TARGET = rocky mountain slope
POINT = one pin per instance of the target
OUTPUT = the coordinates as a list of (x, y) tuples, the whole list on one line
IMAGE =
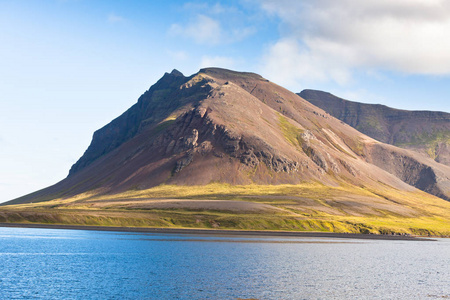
[(238, 128), (426, 132)]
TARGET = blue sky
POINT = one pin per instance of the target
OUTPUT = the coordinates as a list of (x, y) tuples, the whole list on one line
[(68, 67)]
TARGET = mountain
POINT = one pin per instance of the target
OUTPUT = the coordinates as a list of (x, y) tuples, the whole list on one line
[(222, 126), (426, 132)]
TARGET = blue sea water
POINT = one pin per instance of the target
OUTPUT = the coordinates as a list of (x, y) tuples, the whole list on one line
[(78, 264)]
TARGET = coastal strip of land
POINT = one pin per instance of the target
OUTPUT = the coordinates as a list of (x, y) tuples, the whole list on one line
[(218, 232)]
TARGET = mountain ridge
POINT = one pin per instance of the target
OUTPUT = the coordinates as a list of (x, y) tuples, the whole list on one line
[(426, 132)]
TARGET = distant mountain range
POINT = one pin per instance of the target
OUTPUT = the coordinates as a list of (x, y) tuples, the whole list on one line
[(427, 132), (239, 128)]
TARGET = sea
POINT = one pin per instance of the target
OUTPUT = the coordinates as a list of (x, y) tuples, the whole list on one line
[(84, 264)]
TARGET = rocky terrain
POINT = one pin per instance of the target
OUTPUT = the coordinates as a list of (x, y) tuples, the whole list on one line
[(426, 132), (237, 128)]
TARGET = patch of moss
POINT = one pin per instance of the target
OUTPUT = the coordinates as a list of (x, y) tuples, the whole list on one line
[(163, 125), (430, 139), (371, 124), (291, 133), (355, 144)]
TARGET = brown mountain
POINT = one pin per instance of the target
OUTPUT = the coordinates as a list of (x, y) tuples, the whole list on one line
[(238, 128), (427, 132)]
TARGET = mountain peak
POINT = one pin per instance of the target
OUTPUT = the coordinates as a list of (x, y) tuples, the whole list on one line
[(228, 74), (175, 72)]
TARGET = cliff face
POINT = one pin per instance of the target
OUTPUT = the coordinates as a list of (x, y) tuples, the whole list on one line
[(426, 132), (152, 107), (224, 126)]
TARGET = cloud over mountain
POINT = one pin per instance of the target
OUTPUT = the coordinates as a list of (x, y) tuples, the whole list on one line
[(328, 40), (212, 24)]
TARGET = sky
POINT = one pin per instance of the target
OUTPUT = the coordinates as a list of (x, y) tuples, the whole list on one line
[(69, 67)]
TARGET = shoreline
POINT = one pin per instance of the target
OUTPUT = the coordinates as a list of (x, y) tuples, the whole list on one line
[(197, 231)]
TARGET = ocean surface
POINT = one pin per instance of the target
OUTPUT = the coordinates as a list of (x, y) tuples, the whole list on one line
[(78, 264)]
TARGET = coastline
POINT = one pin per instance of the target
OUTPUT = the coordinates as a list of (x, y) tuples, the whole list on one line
[(197, 231)]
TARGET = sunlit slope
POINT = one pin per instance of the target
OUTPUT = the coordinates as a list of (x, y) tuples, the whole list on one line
[(302, 207)]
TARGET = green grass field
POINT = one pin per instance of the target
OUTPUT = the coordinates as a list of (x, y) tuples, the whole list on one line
[(303, 207)]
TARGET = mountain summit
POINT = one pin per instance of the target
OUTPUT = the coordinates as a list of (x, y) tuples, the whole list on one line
[(233, 127)]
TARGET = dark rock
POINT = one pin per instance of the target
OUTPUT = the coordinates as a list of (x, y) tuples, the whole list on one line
[(184, 162), (249, 158)]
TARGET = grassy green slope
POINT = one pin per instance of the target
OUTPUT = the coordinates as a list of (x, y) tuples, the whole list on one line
[(304, 207)]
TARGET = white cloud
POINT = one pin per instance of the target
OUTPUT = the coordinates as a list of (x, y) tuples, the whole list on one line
[(202, 30), (328, 39), (212, 9), (113, 18), (218, 61), (179, 55), (287, 63), (213, 24)]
